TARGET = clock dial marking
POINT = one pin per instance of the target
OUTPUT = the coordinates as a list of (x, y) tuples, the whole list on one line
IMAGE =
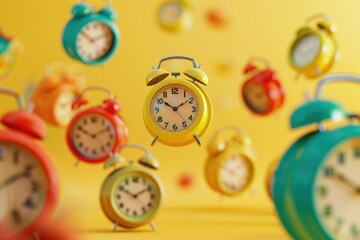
[(174, 108)]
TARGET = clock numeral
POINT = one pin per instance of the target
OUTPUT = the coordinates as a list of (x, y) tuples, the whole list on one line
[(164, 94), (118, 196), (152, 196), (150, 204), (15, 215), (341, 158), (121, 188), (135, 213), (191, 100), (81, 144), (329, 171), (357, 152), (2, 153), (174, 90), (143, 210), (193, 109), (135, 179), (184, 94), (34, 187), (28, 170), (94, 152), (159, 101), (149, 188), (184, 124), (159, 119), (127, 211), (16, 157), (190, 118), (175, 127), (121, 205), (126, 181), (166, 124), (327, 211), (29, 203), (85, 121), (103, 149), (93, 119), (157, 109)]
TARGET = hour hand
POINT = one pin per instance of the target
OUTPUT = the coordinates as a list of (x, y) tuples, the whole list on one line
[(182, 103), (167, 104), (347, 181)]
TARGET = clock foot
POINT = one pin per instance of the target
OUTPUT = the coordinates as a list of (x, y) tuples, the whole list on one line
[(337, 56), (115, 227), (76, 163), (297, 76), (153, 227), (318, 71), (154, 140), (221, 197), (197, 139)]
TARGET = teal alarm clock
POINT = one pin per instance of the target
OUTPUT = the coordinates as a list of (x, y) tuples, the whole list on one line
[(91, 37), (4, 44), (316, 187)]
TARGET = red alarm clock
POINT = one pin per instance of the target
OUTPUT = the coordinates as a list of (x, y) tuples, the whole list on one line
[(28, 183), (262, 91), (94, 134)]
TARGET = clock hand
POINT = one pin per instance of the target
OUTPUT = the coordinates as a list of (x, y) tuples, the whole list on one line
[(182, 103), (102, 131), (167, 104), (99, 37), (13, 179), (86, 132), (347, 181), (130, 193), (139, 193), (87, 37)]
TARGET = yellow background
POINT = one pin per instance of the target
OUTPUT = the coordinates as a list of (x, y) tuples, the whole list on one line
[(264, 28)]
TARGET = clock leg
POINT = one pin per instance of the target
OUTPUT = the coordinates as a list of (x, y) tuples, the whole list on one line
[(221, 197), (318, 71), (337, 56), (76, 163), (115, 227), (197, 139), (153, 227), (154, 140), (297, 76)]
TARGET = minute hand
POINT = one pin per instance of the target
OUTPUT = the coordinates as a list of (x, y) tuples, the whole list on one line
[(182, 103)]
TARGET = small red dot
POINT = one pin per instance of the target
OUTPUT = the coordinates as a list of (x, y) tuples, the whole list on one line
[(186, 180)]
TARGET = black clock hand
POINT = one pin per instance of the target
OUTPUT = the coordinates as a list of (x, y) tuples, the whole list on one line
[(141, 192), (86, 132), (130, 193), (102, 131), (167, 104), (182, 103), (347, 182), (13, 179)]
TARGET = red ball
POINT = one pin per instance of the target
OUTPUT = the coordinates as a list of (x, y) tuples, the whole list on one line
[(217, 17), (186, 180)]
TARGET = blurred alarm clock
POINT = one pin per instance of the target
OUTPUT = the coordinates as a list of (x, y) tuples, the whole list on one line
[(54, 95), (231, 165), (28, 183), (91, 37), (317, 183), (9, 48), (94, 134), (314, 50), (176, 15), (177, 111), (132, 195), (262, 91)]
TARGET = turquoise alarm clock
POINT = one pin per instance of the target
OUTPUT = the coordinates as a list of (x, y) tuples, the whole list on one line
[(91, 37), (316, 187)]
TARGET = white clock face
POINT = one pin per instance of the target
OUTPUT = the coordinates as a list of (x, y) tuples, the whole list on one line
[(174, 108), (93, 136), (338, 191), (63, 110), (95, 41), (170, 12), (235, 173), (256, 97), (137, 196), (23, 187), (306, 50)]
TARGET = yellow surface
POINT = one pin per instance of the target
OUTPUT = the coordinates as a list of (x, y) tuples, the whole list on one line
[(264, 28)]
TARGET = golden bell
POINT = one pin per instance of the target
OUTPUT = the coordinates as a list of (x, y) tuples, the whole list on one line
[(156, 76), (197, 75), (113, 161), (149, 161)]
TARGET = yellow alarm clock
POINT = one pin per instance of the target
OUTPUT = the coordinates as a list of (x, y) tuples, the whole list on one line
[(177, 111), (176, 15), (132, 195), (314, 50), (231, 165)]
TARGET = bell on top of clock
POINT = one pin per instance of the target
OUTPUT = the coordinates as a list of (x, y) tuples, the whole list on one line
[(91, 36), (314, 50), (53, 96)]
